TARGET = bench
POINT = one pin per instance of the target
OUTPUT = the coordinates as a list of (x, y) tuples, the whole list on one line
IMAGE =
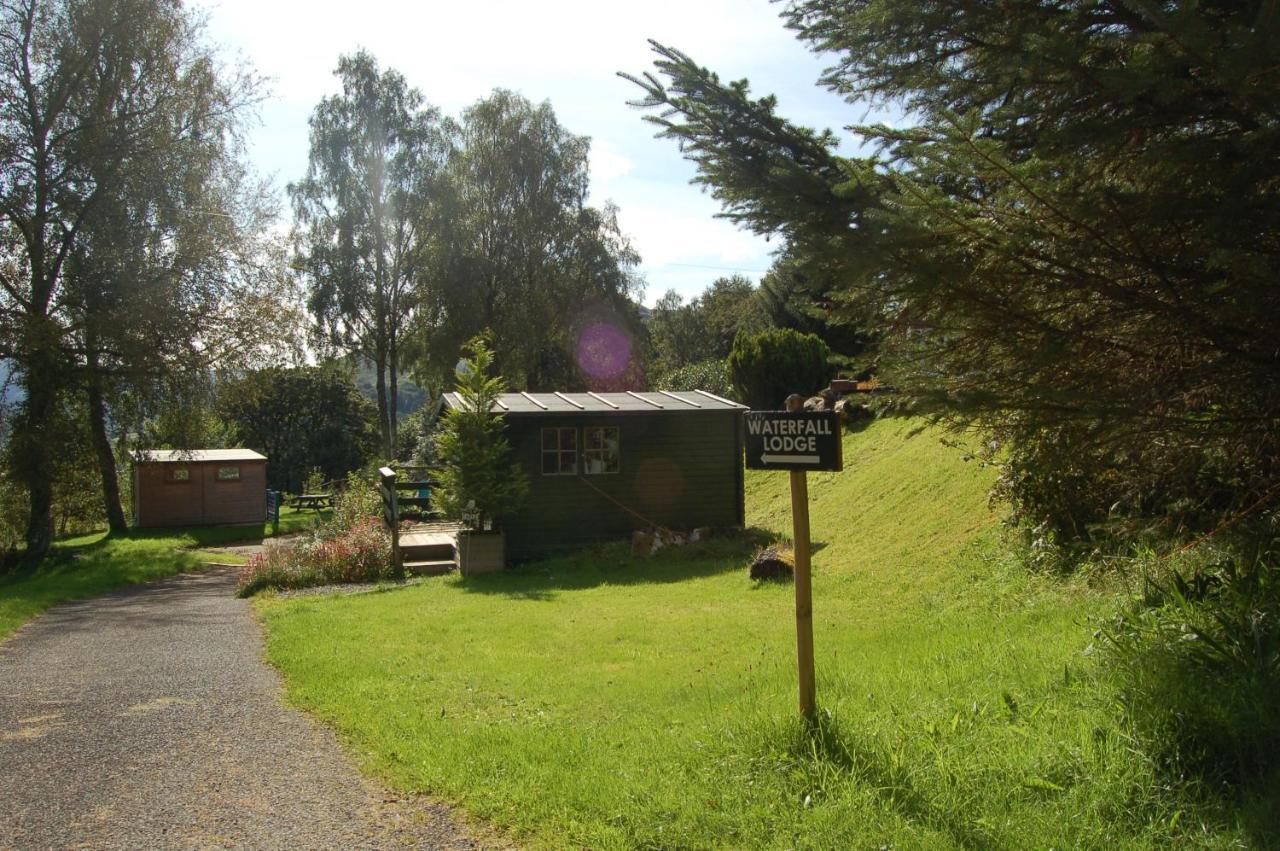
[(311, 500)]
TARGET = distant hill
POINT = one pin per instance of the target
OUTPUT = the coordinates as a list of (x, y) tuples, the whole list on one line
[(409, 396)]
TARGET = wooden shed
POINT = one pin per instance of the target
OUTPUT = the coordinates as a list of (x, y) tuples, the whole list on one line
[(198, 487), (602, 465)]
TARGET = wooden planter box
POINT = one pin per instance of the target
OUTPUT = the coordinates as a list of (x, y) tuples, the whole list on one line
[(481, 552)]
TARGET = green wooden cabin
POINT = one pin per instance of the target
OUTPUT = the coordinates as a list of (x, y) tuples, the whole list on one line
[(603, 465)]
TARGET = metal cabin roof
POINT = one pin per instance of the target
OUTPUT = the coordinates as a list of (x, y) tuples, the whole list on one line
[(606, 403), (191, 456)]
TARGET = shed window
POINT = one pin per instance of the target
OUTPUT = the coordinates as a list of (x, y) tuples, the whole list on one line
[(559, 451), (600, 450), (179, 474), (228, 474)]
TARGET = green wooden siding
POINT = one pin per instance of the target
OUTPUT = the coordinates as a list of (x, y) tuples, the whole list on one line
[(681, 470)]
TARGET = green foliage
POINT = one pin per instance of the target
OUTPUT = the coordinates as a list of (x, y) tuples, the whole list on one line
[(315, 481), (709, 375), (704, 329), (358, 501), (518, 246), (768, 367), (1070, 243), (365, 213), (13, 513), (1200, 656), (126, 216), (475, 459), (184, 419), (301, 418), (797, 294), (413, 438), (678, 333), (77, 505)]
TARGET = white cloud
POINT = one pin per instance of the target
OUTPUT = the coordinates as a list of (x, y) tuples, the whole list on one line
[(565, 51), (608, 164)]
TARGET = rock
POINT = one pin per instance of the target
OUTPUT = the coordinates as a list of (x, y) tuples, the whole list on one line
[(699, 534), (815, 403), (852, 410)]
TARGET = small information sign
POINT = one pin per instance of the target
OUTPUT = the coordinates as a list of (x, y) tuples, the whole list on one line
[(794, 440)]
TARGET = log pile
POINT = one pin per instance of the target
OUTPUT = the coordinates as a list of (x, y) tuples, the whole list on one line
[(773, 562)]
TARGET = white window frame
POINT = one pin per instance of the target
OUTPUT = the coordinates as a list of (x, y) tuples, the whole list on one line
[(601, 454)]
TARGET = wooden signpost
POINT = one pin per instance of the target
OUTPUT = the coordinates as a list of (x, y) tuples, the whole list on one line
[(798, 441), (273, 510)]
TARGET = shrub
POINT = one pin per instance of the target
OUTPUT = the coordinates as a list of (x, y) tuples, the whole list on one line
[(357, 503), (315, 481), (710, 375), (360, 554), (769, 366)]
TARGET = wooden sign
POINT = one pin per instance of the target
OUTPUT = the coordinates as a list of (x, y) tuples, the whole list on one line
[(794, 440), (798, 441), (274, 498)]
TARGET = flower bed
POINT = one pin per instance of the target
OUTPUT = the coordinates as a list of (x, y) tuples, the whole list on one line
[(359, 554)]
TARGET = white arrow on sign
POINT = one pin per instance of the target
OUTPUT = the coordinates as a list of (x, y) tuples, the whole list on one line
[(766, 458)]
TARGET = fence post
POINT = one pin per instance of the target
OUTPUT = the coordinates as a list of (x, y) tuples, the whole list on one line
[(391, 511)]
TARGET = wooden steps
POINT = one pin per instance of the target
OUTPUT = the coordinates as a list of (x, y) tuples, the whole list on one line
[(430, 567), (428, 553)]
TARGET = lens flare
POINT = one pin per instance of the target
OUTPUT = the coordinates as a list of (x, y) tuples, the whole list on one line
[(604, 351)]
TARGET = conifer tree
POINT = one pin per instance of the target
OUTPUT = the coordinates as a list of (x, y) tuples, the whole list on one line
[(1071, 240), (476, 471)]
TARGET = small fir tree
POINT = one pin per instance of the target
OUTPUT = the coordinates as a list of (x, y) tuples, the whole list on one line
[(475, 471)]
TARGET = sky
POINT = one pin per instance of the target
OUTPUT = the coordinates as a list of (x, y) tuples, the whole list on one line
[(564, 51)]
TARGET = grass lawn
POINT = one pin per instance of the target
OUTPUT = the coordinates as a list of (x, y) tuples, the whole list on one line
[(91, 564), (602, 701)]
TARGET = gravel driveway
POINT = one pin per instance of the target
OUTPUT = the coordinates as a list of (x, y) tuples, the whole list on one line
[(146, 718)]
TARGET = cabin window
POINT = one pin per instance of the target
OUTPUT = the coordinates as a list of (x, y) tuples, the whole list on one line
[(600, 450), (559, 451), (179, 474), (228, 474)]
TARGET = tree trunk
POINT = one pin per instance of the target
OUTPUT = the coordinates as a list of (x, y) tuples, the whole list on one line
[(102, 445), (35, 455), (393, 363), (380, 364)]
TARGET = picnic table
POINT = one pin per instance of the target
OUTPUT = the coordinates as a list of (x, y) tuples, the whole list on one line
[(311, 500)]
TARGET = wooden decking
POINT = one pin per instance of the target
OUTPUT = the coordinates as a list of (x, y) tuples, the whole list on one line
[(429, 534)]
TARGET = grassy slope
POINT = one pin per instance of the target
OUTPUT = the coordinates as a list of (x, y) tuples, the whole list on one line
[(91, 564), (604, 701)]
